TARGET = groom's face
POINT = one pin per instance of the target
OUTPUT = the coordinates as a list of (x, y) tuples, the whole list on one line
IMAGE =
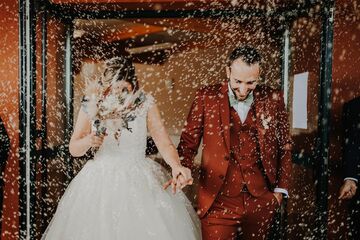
[(243, 78)]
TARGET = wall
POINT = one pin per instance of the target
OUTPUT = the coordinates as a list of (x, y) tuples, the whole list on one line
[(305, 57), (9, 111), (345, 86)]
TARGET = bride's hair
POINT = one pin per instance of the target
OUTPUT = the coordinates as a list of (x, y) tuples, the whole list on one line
[(119, 69)]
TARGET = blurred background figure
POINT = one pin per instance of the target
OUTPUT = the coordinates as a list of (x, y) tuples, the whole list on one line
[(351, 123), (4, 152)]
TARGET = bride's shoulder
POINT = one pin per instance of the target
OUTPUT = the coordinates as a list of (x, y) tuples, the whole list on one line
[(84, 104), (149, 99)]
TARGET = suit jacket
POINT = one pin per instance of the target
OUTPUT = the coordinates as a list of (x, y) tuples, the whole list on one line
[(209, 118), (351, 150)]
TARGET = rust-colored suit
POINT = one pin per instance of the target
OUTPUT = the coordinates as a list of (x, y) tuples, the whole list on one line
[(209, 118)]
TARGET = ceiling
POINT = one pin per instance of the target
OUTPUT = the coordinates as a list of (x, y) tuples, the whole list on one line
[(152, 40), (265, 5), (146, 38)]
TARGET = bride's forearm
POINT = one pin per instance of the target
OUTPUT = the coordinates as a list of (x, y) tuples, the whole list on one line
[(78, 147), (161, 138), (181, 175), (170, 155)]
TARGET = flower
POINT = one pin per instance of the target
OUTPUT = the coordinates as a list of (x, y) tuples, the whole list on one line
[(104, 105), (265, 121)]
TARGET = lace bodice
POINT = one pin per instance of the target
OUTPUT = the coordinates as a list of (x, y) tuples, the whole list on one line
[(131, 142)]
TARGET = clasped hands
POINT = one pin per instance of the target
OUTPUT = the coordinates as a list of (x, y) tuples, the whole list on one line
[(181, 178)]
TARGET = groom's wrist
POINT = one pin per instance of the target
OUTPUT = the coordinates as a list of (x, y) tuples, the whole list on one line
[(283, 191)]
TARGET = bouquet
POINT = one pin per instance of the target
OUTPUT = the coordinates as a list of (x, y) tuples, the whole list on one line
[(103, 105)]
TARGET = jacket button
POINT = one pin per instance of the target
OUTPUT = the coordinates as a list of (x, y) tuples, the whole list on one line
[(227, 158)]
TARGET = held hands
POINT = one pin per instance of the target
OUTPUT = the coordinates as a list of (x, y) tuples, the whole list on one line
[(181, 178), (348, 189)]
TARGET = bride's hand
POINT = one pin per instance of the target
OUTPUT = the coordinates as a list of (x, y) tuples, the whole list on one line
[(95, 140)]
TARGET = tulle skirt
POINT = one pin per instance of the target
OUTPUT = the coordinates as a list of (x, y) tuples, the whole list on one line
[(113, 198)]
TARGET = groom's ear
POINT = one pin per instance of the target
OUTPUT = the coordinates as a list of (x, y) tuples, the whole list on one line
[(227, 72)]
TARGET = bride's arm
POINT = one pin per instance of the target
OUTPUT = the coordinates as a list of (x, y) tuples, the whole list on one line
[(82, 138), (164, 144)]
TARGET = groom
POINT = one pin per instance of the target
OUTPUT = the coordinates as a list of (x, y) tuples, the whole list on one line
[(246, 158)]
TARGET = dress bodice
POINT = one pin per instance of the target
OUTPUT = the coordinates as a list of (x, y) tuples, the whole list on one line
[(129, 142)]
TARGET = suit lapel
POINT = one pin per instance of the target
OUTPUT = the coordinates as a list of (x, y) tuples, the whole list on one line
[(259, 104), (224, 110)]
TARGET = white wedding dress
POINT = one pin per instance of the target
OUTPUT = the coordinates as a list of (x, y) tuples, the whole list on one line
[(119, 195)]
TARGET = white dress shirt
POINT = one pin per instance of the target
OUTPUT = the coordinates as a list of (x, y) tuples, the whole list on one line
[(350, 178), (242, 108)]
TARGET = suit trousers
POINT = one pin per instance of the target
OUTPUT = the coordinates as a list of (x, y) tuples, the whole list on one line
[(353, 220), (240, 217)]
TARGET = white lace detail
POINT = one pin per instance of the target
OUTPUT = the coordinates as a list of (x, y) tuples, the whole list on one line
[(132, 142)]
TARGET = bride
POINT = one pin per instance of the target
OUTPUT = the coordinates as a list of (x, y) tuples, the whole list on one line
[(119, 194)]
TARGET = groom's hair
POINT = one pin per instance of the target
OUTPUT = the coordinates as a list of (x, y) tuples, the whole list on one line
[(246, 53)]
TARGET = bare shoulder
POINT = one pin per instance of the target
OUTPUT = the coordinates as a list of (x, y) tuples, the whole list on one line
[(149, 96), (147, 99)]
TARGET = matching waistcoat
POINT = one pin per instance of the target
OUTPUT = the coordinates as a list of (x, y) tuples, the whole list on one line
[(243, 172)]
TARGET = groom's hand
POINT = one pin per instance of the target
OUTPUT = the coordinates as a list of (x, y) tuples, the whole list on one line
[(171, 183), (181, 178), (167, 184), (279, 197), (179, 183), (348, 189)]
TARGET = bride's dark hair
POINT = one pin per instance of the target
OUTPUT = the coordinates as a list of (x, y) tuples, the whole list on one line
[(120, 69)]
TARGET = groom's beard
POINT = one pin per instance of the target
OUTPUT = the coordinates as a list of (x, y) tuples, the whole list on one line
[(236, 97)]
